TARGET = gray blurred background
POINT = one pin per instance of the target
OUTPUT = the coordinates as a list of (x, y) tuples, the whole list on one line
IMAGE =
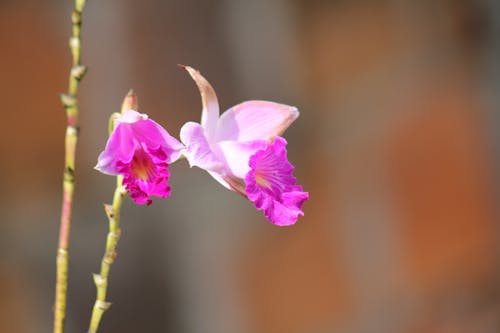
[(398, 143)]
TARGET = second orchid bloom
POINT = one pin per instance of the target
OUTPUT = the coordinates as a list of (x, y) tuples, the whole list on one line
[(242, 149)]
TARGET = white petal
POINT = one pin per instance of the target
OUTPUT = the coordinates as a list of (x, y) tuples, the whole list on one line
[(198, 151)]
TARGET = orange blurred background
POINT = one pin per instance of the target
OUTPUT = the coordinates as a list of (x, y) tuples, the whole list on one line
[(398, 144)]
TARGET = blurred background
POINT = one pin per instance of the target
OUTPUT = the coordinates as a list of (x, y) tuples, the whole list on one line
[(398, 144)]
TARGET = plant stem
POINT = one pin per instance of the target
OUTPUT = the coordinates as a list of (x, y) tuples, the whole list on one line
[(101, 279), (113, 212), (70, 103)]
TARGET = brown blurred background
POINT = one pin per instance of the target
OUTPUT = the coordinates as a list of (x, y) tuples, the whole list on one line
[(398, 144)]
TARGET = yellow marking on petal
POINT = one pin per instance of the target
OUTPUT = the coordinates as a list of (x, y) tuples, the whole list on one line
[(262, 181), (140, 173), (141, 167)]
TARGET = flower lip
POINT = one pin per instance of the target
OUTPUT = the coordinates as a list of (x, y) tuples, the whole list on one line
[(271, 186), (261, 180), (146, 176)]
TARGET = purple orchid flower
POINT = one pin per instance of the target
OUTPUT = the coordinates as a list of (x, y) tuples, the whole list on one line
[(140, 150), (242, 150)]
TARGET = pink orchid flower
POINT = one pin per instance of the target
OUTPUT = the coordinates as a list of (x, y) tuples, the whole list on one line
[(140, 150), (242, 150)]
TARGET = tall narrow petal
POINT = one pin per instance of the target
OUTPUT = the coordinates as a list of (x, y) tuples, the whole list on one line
[(255, 120), (210, 112)]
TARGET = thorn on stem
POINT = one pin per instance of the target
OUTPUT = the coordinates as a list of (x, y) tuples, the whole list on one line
[(78, 71), (109, 211), (69, 174), (74, 43), (98, 279), (76, 17), (103, 305), (68, 100)]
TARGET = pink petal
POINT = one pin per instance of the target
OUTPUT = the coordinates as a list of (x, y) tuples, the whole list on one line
[(155, 136), (133, 129), (255, 120), (237, 154), (119, 148), (210, 112), (198, 151), (287, 211)]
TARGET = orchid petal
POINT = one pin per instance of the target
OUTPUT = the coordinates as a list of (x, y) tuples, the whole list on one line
[(255, 120), (198, 151), (210, 112), (286, 213), (154, 136), (237, 154), (120, 147)]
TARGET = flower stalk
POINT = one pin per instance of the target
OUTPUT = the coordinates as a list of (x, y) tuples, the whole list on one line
[(101, 279), (113, 213), (70, 102)]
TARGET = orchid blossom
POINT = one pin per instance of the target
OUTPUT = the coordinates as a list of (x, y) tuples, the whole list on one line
[(140, 150), (242, 150)]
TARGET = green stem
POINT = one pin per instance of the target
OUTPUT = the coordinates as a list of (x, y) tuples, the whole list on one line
[(101, 279), (70, 103)]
